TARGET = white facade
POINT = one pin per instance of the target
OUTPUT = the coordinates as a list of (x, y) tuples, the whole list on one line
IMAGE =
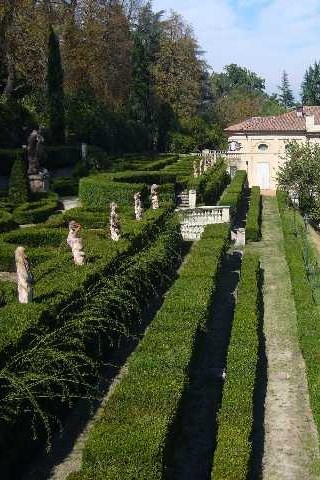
[(261, 153)]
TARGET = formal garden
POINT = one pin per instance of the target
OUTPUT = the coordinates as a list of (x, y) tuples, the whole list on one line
[(159, 317)]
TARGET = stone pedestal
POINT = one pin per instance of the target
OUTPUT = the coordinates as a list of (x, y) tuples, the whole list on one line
[(192, 198), (241, 237), (39, 182)]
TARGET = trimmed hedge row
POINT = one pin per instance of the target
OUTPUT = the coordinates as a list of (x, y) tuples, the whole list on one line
[(65, 186), (129, 440), (253, 223), (36, 212), (307, 310), (60, 285), (98, 191), (114, 310), (6, 221), (211, 184), (235, 419), (233, 194)]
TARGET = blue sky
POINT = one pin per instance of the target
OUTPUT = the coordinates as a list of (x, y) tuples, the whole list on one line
[(266, 36)]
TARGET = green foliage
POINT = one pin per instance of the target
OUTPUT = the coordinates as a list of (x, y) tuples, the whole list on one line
[(253, 222), (235, 420), (65, 186), (211, 184), (14, 121), (286, 97), (55, 91), (35, 212), (233, 194), (18, 182), (6, 221), (195, 135), (300, 174), (311, 85), (307, 312), (146, 401), (98, 191), (235, 77)]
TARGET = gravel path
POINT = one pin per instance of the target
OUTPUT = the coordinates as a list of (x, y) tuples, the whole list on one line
[(291, 443)]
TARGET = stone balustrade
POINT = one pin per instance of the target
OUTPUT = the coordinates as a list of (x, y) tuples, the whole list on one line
[(194, 220)]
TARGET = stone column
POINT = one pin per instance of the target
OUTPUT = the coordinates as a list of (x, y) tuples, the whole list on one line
[(24, 276), (192, 198)]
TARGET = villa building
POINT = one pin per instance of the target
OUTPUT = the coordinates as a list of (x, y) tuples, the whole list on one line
[(258, 144)]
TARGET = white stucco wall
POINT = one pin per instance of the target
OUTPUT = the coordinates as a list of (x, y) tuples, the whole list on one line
[(263, 164)]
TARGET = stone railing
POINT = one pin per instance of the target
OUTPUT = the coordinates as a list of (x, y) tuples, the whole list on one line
[(194, 220)]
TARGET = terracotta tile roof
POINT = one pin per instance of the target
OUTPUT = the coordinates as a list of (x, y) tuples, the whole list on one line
[(286, 122)]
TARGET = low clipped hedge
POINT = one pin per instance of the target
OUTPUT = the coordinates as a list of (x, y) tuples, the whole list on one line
[(233, 194), (308, 320), (60, 285), (36, 212), (65, 186), (253, 223), (235, 419), (211, 184), (130, 438), (6, 221)]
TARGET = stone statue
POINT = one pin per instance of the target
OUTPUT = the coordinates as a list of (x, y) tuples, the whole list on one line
[(35, 152), (201, 166), (195, 169), (75, 243), (114, 222), (138, 206), (154, 196), (24, 276)]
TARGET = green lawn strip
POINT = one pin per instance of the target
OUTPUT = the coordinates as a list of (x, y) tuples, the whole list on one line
[(253, 222), (235, 419), (130, 438), (307, 313), (62, 286)]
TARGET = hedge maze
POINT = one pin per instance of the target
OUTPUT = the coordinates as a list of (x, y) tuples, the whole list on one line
[(53, 348)]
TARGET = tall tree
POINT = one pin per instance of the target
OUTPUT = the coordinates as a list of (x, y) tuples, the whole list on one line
[(286, 98), (55, 90), (235, 77), (311, 85), (178, 70), (146, 45)]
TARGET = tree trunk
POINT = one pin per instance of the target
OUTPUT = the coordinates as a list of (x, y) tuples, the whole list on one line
[(8, 90)]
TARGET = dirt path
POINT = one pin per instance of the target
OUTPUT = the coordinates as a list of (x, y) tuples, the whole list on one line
[(291, 442)]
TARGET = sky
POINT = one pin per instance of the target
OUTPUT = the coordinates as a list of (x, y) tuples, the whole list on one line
[(266, 36)]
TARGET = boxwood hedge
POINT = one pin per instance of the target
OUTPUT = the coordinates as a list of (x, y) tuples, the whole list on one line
[(235, 419), (129, 440), (36, 212), (6, 221), (307, 311), (233, 194), (253, 223)]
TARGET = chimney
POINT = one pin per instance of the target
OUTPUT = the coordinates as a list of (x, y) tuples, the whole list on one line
[(300, 112)]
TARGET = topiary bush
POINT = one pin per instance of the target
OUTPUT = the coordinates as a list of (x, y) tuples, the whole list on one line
[(18, 182), (35, 212)]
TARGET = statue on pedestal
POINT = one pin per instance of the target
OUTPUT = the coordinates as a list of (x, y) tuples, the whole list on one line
[(24, 276), (114, 222), (154, 196), (75, 243), (138, 206), (35, 152)]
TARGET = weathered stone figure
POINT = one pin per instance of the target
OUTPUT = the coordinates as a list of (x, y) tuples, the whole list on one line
[(195, 169), (138, 206), (24, 276), (114, 223), (75, 243), (201, 166), (35, 152), (154, 196)]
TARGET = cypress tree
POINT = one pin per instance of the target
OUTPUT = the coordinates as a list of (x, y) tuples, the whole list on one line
[(311, 85), (286, 97), (18, 182), (55, 91)]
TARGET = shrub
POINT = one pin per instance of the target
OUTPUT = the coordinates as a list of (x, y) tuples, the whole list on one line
[(65, 186), (253, 223), (18, 182), (211, 184), (235, 419), (307, 311), (6, 221), (233, 194), (35, 212), (129, 439)]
